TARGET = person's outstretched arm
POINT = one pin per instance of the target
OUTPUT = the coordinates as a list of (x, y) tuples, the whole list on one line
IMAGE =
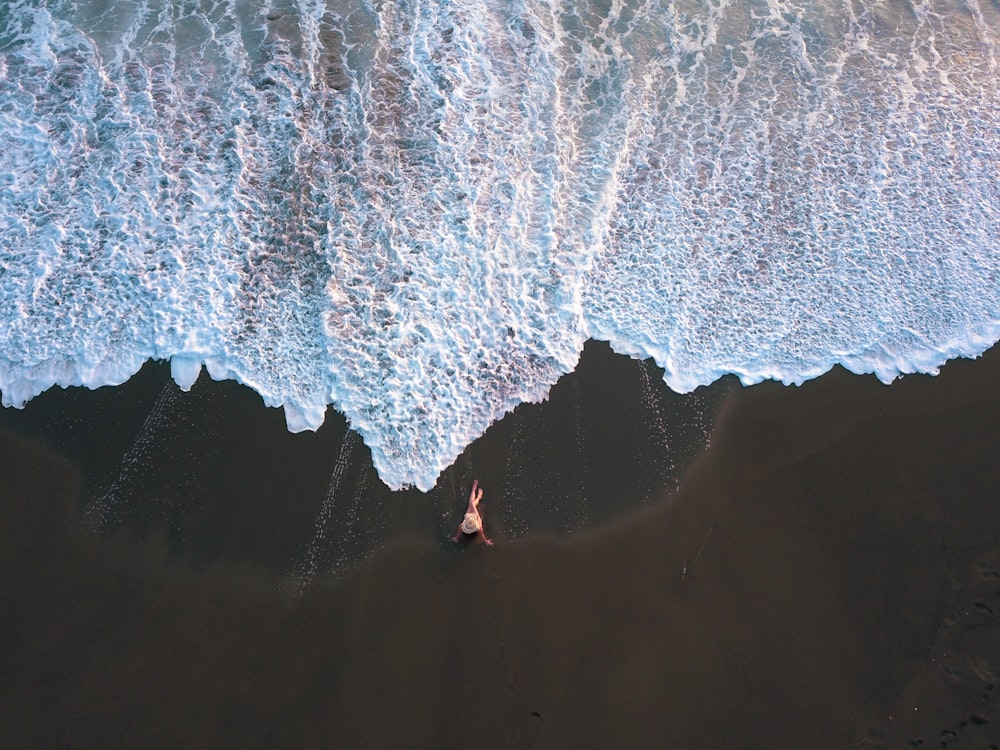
[(482, 535)]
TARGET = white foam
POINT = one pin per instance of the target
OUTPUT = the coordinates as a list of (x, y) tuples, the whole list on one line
[(185, 370), (418, 212)]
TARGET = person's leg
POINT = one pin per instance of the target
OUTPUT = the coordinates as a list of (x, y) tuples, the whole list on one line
[(474, 497)]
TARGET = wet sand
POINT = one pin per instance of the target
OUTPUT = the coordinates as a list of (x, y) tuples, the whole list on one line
[(772, 567)]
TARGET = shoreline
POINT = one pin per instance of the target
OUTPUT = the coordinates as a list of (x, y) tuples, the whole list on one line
[(609, 429)]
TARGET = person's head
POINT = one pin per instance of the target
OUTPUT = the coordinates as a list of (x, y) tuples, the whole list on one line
[(471, 524)]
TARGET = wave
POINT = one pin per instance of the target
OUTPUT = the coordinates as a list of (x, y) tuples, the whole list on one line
[(418, 212)]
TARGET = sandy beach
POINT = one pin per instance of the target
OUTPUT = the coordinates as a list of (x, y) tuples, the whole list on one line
[(764, 567)]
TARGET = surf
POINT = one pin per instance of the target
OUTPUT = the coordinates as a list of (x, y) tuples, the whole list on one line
[(418, 213)]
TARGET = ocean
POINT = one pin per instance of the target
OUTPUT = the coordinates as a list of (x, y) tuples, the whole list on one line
[(418, 212)]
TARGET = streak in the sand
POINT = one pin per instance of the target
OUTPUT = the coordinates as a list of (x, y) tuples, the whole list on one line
[(311, 562), (139, 457)]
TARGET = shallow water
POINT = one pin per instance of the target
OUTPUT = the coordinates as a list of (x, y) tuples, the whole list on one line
[(418, 212)]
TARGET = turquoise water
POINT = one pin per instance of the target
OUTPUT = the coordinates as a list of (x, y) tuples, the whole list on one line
[(419, 211)]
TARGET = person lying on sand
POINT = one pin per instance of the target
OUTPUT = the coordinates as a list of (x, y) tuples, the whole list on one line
[(472, 524)]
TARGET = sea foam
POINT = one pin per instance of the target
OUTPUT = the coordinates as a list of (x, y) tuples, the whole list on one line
[(418, 212)]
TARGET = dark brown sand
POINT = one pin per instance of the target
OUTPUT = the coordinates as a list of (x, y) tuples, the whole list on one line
[(176, 570)]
